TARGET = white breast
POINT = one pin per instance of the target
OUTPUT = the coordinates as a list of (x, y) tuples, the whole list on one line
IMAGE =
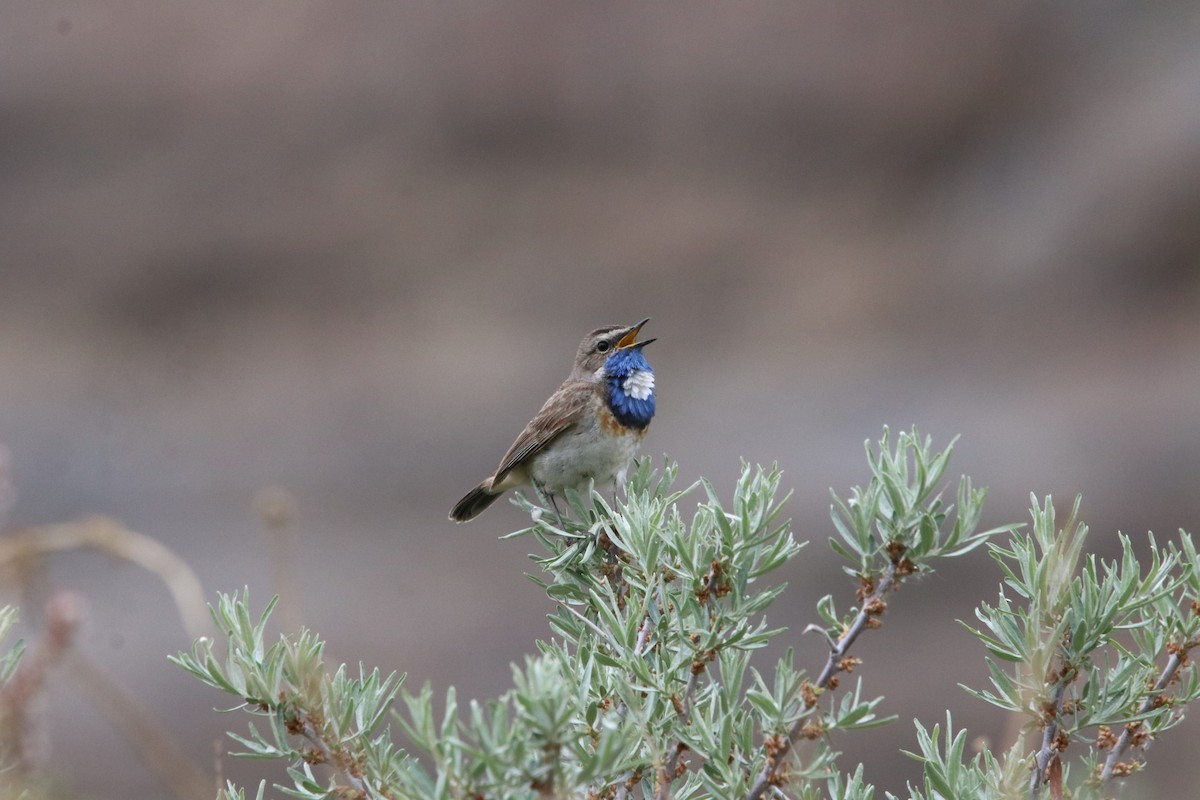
[(586, 452), (639, 385)]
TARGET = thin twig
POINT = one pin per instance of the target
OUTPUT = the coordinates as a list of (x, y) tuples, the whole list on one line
[(63, 613), (149, 739), (871, 608), (309, 732), (1049, 748), (1176, 661), (643, 637), (707, 592), (109, 536), (685, 703), (684, 710)]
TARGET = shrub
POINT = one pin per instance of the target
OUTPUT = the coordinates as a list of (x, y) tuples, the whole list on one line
[(646, 687)]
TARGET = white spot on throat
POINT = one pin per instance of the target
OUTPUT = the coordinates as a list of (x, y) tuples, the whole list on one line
[(639, 385)]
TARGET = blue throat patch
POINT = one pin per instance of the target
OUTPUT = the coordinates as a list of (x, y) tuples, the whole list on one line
[(628, 410)]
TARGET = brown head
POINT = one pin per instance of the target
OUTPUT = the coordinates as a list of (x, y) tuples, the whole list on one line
[(601, 343)]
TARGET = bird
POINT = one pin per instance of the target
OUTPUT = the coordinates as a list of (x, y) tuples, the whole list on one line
[(589, 428)]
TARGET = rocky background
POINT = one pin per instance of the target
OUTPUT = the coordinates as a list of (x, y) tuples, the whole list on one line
[(347, 249)]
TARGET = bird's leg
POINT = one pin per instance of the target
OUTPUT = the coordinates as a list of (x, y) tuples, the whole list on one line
[(549, 496)]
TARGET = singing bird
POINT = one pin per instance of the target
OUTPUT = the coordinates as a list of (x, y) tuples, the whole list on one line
[(589, 429)]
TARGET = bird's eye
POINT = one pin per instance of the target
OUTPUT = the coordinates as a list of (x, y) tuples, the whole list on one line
[(603, 346)]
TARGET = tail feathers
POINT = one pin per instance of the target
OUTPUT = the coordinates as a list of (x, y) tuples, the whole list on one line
[(474, 503)]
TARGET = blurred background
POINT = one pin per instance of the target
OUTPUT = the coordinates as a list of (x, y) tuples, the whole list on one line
[(348, 249)]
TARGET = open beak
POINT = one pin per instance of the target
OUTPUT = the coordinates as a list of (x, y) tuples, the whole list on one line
[(629, 339)]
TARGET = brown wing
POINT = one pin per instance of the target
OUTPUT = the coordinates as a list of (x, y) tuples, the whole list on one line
[(559, 414)]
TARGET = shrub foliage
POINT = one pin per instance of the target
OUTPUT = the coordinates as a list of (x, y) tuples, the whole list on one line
[(646, 688)]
